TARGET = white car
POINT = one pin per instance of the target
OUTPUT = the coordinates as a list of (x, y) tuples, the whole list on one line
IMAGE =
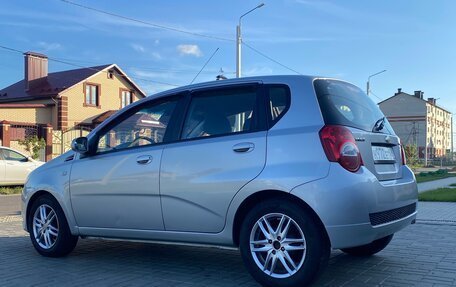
[(15, 166)]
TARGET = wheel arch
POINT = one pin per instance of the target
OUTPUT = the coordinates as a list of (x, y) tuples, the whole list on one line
[(39, 194), (32, 199), (250, 201)]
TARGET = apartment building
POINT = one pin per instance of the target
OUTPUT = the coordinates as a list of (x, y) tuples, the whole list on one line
[(421, 122)]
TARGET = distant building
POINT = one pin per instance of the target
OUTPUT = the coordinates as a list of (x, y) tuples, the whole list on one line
[(68, 98), (62, 105), (420, 122)]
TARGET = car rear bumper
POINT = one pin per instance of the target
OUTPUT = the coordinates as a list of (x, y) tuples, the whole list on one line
[(356, 208)]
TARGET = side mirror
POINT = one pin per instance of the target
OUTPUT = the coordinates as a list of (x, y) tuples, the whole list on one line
[(80, 145)]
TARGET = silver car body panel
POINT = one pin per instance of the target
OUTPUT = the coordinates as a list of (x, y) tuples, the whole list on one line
[(344, 205), (199, 178), (120, 193), (291, 160), (52, 177)]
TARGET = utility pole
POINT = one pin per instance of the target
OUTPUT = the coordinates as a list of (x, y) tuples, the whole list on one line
[(368, 81), (239, 42)]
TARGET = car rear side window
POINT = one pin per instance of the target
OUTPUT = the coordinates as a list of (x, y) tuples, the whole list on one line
[(220, 112), (279, 101), (344, 104)]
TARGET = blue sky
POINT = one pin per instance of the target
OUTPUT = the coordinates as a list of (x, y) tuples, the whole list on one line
[(413, 40)]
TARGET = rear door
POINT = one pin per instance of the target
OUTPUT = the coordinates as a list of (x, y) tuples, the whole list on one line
[(344, 104), (222, 146)]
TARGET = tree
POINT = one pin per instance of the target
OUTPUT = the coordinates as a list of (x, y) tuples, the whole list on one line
[(33, 145), (411, 154)]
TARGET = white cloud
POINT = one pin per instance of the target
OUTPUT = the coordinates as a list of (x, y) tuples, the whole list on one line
[(192, 50), (156, 56), (49, 46), (138, 48)]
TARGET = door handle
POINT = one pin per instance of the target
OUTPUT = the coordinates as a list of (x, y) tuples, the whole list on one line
[(243, 147), (144, 159)]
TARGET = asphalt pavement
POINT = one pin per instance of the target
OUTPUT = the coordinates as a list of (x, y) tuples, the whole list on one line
[(10, 205)]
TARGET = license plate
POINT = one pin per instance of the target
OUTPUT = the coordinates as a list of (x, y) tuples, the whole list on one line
[(383, 154)]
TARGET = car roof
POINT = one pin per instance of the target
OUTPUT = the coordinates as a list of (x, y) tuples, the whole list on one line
[(221, 83)]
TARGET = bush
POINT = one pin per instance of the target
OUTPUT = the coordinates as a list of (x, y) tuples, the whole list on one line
[(33, 145)]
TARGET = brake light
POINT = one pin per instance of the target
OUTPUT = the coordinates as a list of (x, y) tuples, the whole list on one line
[(404, 159), (340, 146)]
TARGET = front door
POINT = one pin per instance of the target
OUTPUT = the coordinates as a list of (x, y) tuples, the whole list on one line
[(222, 147), (118, 186), (17, 166), (2, 168)]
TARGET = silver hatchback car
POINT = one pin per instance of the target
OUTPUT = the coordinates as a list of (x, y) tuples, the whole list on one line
[(283, 167)]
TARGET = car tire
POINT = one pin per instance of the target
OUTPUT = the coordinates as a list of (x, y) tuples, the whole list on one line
[(48, 228), (298, 230), (369, 249)]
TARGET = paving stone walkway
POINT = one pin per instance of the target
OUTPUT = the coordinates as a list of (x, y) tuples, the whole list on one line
[(423, 254), (430, 185)]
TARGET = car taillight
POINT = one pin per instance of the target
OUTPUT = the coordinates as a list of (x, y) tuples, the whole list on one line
[(340, 146), (404, 159)]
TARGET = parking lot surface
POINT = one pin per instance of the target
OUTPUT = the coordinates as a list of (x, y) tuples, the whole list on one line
[(423, 254)]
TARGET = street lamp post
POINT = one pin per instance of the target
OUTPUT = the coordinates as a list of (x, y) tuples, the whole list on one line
[(368, 81), (239, 41)]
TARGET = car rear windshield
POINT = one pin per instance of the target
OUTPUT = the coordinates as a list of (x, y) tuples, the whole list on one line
[(344, 104)]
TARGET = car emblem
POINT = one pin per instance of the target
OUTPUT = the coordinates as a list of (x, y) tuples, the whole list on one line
[(388, 139)]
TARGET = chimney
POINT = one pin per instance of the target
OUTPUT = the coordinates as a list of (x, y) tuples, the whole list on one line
[(419, 94), (432, 101), (399, 90), (36, 69)]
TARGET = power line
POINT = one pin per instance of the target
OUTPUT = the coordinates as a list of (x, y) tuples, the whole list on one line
[(90, 68), (269, 58), (204, 65), (370, 91), (176, 30), (154, 69), (147, 23)]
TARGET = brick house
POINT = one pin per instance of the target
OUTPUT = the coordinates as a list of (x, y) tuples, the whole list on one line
[(62, 100)]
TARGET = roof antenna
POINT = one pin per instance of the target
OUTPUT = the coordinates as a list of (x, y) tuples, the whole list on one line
[(221, 76), (204, 65)]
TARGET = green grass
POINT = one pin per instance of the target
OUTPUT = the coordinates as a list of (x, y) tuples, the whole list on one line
[(11, 190), (445, 194), (431, 177)]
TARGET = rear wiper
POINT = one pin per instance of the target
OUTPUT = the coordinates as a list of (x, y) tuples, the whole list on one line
[(378, 126)]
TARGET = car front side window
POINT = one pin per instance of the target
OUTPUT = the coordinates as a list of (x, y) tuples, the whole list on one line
[(146, 126), (14, 156)]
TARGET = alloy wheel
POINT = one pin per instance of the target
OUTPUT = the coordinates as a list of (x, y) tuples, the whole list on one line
[(45, 226), (278, 245)]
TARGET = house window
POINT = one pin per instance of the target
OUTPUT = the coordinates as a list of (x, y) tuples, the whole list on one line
[(92, 95), (125, 98)]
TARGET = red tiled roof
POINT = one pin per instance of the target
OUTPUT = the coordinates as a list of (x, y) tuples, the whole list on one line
[(51, 86)]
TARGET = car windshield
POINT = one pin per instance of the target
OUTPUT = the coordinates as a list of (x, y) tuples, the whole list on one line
[(344, 104)]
